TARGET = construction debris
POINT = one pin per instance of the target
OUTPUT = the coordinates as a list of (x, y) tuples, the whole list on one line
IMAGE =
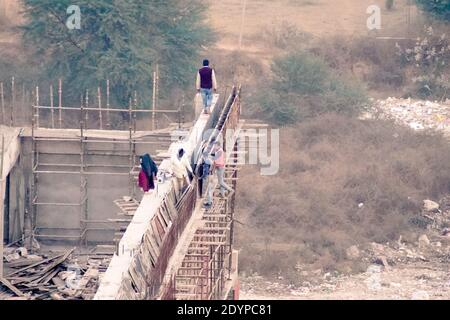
[(59, 277), (417, 114)]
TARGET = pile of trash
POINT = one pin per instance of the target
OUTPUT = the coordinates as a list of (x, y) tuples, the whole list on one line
[(417, 114), (41, 277)]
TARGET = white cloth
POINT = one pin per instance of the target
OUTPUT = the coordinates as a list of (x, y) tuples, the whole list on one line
[(180, 167)]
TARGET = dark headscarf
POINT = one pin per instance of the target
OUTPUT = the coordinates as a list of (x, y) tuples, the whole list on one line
[(148, 165)]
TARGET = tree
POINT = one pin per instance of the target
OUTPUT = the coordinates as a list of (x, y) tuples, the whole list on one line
[(389, 4), (120, 40), (438, 8)]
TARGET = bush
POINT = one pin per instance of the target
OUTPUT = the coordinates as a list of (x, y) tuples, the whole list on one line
[(429, 57), (373, 61), (437, 8), (304, 86), (300, 73), (329, 165)]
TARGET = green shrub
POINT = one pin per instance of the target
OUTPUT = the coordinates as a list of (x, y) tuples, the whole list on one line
[(429, 59), (304, 86), (300, 73), (437, 8)]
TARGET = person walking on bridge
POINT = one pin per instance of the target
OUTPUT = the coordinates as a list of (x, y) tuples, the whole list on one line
[(206, 83), (218, 155)]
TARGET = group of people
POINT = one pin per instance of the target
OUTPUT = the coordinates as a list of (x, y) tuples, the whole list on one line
[(212, 161), (180, 169), (212, 156)]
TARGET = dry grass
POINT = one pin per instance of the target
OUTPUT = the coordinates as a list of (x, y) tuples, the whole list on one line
[(309, 212)]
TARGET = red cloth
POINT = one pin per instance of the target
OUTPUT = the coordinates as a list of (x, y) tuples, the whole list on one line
[(143, 181)]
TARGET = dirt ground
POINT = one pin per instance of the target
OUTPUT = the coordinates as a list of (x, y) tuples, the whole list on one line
[(320, 18), (419, 281)]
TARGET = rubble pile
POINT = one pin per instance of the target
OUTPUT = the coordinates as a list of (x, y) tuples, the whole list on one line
[(417, 114), (56, 277)]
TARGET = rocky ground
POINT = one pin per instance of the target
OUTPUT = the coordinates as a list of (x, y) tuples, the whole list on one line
[(418, 270)]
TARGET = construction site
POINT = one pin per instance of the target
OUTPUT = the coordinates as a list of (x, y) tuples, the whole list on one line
[(74, 193), (348, 199)]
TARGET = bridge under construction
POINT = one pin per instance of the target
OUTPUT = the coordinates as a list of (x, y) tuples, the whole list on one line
[(71, 202)]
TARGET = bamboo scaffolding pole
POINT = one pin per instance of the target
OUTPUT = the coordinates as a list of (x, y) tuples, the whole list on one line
[(60, 102), (2, 206), (108, 119), (154, 101), (101, 141), (13, 101), (2, 97), (100, 115), (83, 180), (36, 111), (23, 103), (86, 173), (131, 154), (52, 109), (112, 109), (86, 106), (32, 196), (2, 92), (135, 102), (157, 93)]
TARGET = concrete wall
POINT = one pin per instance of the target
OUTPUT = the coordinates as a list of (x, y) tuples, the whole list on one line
[(102, 190)]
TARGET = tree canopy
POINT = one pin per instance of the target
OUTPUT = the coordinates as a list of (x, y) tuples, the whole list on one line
[(120, 40), (438, 8)]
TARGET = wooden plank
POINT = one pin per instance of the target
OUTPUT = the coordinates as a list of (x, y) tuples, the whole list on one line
[(155, 233), (50, 274), (32, 266), (152, 252), (22, 263), (170, 210), (58, 261), (11, 287), (165, 216), (161, 224)]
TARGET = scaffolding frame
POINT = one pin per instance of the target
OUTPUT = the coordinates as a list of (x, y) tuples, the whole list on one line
[(83, 169)]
